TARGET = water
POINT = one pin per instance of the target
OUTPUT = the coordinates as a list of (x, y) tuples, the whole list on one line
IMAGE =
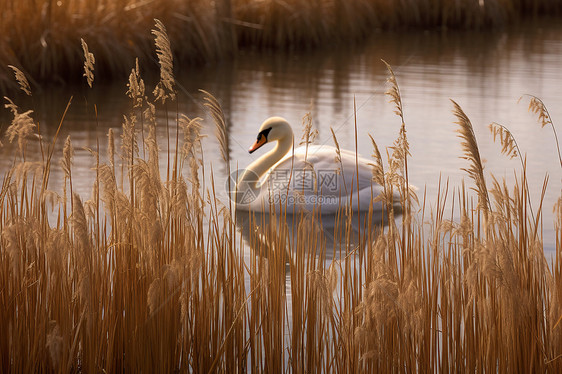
[(485, 72)]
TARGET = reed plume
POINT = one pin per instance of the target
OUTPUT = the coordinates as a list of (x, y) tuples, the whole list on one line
[(135, 87), (151, 141), (55, 345), (191, 149), (191, 134), (394, 92), (308, 134), (398, 162), (22, 126), (338, 159), (510, 149), (129, 144), (384, 180), (66, 165), (21, 79), (220, 124), (323, 284), (111, 147), (165, 87), (67, 155), (472, 154), (155, 298), (378, 168), (80, 225), (308, 137), (89, 61), (109, 192), (401, 148), (507, 140), (537, 107)]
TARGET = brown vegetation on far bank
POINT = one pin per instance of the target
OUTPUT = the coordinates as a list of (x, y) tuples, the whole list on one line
[(42, 38)]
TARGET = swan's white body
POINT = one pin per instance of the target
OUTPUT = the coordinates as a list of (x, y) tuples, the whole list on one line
[(308, 179)]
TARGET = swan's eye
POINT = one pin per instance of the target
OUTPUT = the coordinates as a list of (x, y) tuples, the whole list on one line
[(264, 133)]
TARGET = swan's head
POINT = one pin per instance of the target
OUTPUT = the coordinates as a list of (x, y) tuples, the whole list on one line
[(273, 129)]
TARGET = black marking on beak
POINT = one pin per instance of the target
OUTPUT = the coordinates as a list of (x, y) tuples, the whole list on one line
[(261, 140)]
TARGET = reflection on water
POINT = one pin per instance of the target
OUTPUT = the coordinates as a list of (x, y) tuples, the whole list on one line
[(301, 243), (326, 236), (485, 72)]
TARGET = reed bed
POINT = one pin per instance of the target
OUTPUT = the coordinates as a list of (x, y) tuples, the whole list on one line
[(151, 274), (41, 37)]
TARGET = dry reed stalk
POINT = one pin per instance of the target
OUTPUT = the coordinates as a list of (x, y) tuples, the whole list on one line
[(510, 149), (129, 144), (507, 140), (22, 126), (21, 79), (379, 177), (401, 149), (89, 61), (220, 124), (165, 88), (191, 136), (135, 87), (192, 150), (398, 165), (308, 134), (66, 165), (537, 106), (150, 141), (47, 168), (471, 153), (111, 148)]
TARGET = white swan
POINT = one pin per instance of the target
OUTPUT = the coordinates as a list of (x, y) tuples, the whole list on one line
[(306, 178)]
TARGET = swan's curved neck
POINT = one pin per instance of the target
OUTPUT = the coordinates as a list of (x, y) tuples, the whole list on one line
[(259, 167)]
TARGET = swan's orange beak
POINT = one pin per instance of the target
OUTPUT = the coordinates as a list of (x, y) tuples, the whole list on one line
[(262, 139)]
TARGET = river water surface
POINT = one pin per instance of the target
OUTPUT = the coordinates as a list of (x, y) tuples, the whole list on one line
[(484, 72)]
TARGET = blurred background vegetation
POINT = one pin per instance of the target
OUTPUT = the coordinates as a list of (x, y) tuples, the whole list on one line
[(42, 37)]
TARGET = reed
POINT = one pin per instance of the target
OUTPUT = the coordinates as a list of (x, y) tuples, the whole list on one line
[(152, 274), (41, 38)]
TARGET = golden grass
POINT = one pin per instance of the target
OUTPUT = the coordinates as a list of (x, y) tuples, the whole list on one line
[(151, 274), (41, 37)]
